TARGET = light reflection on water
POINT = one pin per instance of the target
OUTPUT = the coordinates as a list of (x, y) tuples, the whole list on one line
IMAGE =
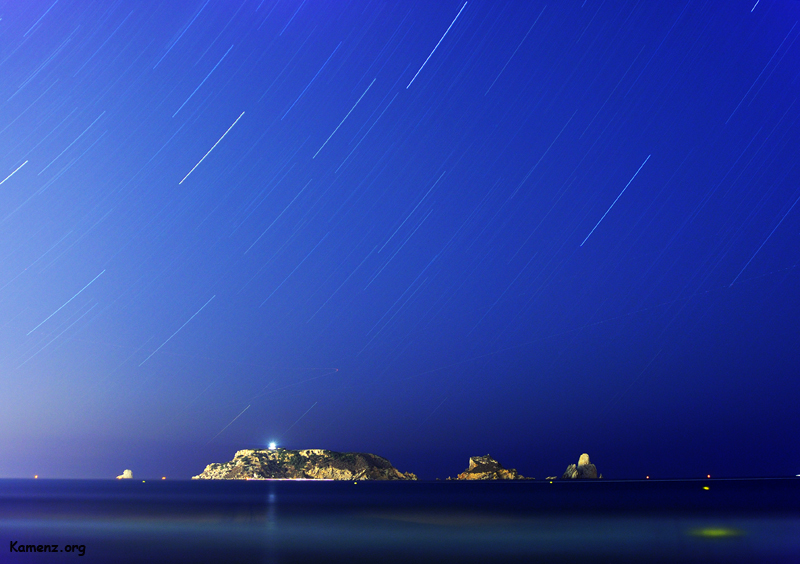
[(404, 522)]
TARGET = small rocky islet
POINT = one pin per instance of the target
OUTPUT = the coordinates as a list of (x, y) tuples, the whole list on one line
[(487, 468), (322, 464), (583, 470)]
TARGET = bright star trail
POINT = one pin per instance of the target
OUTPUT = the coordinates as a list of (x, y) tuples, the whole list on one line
[(13, 173), (530, 229), (437, 45), (615, 200), (211, 149)]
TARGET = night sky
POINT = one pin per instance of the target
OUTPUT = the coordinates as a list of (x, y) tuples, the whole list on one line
[(425, 230)]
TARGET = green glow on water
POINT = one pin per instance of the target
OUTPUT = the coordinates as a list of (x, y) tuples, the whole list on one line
[(716, 532)]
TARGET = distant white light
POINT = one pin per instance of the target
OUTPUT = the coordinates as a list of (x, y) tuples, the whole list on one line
[(272, 446)]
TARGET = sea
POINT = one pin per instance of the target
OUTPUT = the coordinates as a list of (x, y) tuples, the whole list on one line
[(274, 521)]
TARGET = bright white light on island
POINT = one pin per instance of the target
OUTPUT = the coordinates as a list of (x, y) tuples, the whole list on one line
[(272, 446)]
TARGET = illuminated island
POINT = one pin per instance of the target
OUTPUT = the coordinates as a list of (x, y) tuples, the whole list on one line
[(308, 464), (487, 468)]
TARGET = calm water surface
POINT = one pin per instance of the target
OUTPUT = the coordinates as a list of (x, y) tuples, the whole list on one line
[(291, 521)]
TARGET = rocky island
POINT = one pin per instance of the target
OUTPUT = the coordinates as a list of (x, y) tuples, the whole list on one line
[(308, 464), (487, 468), (583, 470)]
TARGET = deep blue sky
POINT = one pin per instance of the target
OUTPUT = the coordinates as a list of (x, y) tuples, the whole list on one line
[(426, 230)]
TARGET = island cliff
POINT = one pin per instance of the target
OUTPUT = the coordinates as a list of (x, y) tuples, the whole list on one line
[(309, 464), (487, 468)]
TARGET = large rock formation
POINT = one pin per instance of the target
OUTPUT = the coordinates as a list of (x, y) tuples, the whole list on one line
[(309, 464), (583, 470), (487, 468)]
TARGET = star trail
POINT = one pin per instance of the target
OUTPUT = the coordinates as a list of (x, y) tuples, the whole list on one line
[(524, 228)]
